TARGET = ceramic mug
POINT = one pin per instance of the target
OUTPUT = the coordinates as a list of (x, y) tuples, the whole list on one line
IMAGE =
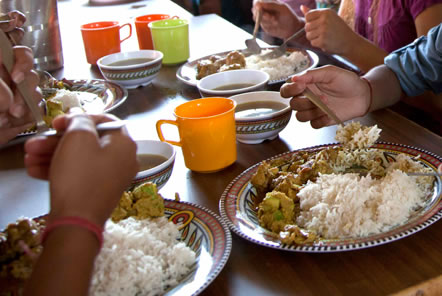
[(102, 38), (207, 133), (143, 31), (171, 37)]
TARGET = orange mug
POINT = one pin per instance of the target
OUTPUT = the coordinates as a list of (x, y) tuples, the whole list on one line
[(207, 133), (102, 38), (143, 31)]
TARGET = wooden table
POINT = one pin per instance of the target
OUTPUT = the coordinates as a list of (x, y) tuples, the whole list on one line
[(251, 269)]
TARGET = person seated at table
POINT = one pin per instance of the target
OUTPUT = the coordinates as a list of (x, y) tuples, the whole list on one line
[(364, 32), (412, 70), (379, 27), (294, 5), (15, 117), (79, 166)]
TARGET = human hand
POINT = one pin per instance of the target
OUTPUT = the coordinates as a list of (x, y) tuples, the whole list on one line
[(343, 91), (13, 26), (326, 30), (15, 117), (277, 19), (87, 173)]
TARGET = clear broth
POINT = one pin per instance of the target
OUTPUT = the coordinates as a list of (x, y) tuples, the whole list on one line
[(233, 86), (130, 62), (148, 161), (258, 108)]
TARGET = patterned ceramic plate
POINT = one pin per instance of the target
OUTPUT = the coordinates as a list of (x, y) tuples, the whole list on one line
[(187, 72), (236, 207), (208, 235), (111, 95), (201, 230)]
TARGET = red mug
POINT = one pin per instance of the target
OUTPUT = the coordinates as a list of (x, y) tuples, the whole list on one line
[(101, 39), (143, 31)]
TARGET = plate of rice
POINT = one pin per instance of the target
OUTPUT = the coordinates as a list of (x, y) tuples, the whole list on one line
[(92, 96), (340, 209), (293, 62), (179, 253)]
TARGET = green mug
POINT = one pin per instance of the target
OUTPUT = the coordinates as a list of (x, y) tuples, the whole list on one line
[(171, 37)]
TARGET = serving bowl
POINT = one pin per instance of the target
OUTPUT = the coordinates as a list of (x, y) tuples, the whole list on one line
[(229, 83), (161, 155), (131, 69), (260, 116)]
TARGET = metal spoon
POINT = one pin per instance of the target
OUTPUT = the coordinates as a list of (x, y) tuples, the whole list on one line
[(253, 46), (101, 128)]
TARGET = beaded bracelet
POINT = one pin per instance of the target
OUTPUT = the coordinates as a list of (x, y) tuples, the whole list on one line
[(74, 221), (371, 93)]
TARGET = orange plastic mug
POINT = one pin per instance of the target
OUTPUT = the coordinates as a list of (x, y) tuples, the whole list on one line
[(143, 31), (207, 133), (102, 38)]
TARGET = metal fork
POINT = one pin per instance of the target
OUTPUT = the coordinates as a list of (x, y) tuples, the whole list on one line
[(280, 50)]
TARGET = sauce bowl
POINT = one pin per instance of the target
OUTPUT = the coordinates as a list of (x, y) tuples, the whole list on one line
[(161, 173), (228, 83), (265, 115), (131, 69)]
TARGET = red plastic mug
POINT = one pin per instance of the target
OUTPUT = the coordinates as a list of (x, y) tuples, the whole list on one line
[(143, 31), (102, 38)]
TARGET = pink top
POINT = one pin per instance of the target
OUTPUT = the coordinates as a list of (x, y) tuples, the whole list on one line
[(296, 4), (395, 22)]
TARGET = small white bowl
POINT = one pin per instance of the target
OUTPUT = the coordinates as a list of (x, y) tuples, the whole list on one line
[(135, 75), (257, 129), (208, 84), (161, 173)]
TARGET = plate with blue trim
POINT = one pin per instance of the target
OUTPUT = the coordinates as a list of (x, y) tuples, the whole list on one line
[(238, 207)]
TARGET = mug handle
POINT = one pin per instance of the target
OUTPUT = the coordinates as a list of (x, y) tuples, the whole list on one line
[(160, 132), (130, 31)]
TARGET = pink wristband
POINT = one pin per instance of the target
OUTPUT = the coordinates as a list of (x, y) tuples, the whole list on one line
[(371, 93), (75, 221)]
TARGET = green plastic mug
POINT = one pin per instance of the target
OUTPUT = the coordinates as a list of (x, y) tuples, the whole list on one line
[(171, 37)]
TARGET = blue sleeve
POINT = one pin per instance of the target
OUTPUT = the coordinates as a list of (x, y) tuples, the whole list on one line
[(418, 65)]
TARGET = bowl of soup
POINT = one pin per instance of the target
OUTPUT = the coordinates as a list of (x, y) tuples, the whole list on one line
[(260, 116), (131, 69), (229, 83), (155, 160)]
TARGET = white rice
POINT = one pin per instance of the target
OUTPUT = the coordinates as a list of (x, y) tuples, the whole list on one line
[(67, 98), (355, 136), (347, 205), (281, 67), (140, 257)]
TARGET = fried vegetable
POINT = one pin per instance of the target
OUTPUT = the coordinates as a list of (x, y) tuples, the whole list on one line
[(275, 211), (143, 202)]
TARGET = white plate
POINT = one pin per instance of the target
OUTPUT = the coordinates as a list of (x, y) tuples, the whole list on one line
[(187, 72)]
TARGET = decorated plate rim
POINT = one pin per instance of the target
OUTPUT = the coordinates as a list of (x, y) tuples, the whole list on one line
[(218, 265), (401, 231)]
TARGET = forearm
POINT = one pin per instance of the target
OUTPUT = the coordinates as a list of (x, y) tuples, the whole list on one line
[(66, 263), (386, 89), (364, 54)]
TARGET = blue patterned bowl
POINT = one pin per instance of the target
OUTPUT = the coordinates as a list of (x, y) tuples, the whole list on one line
[(159, 174), (255, 129), (131, 69)]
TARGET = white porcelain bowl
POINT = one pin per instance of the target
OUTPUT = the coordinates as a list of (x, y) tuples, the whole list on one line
[(161, 173), (208, 84), (131, 76), (256, 129)]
